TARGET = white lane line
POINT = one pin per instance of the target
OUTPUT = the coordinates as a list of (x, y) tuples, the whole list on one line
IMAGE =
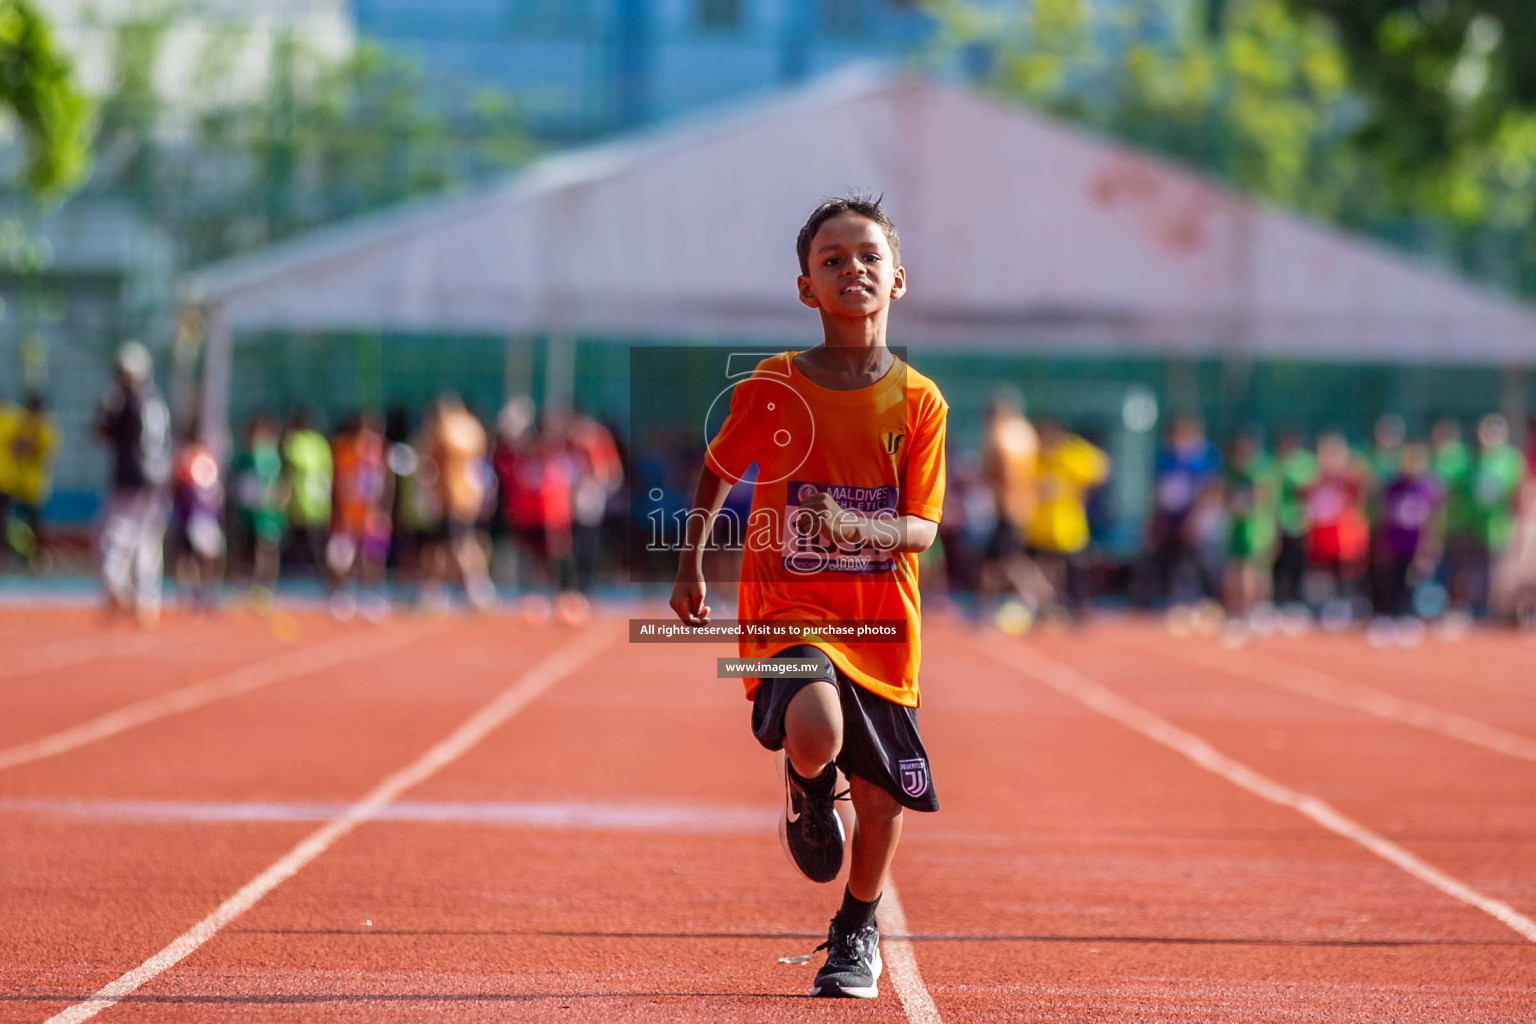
[(72, 651), (1359, 697), (513, 699), (657, 817), (231, 684), (1071, 683), (901, 961)]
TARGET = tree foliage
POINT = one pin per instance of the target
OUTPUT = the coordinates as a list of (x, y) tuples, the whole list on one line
[(1262, 102), (328, 138), (37, 87), (1368, 111), (1448, 93)]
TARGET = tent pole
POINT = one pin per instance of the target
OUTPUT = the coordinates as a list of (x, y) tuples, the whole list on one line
[(559, 370), (516, 365), (1513, 404), (216, 371)]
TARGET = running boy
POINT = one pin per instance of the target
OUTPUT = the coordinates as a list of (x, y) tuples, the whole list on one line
[(849, 445)]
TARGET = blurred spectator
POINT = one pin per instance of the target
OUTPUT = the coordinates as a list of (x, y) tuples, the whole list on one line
[(1408, 542), (536, 479), (1386, 455), (360, 516), (1514, 589), (27, 442), (402, 465), (599, 475), (1337, 533), (1484, 501), (197, 514), (1250, 491), (661, 499), (1010, 469), (1186, 467), (454, 441), (967, 523), (307, 458), (261, 494), (134, 422), (1382, 462), (1295, 468), (1058, 531)]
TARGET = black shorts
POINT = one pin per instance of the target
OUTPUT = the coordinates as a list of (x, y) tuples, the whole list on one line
[(881, 744)]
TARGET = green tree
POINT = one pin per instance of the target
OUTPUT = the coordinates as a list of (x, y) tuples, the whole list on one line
[(37, 87), (1448, 94), (328, 138), (1262, 102), (1412, 118)]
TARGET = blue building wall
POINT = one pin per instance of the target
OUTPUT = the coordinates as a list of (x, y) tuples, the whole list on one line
[(584, 67)]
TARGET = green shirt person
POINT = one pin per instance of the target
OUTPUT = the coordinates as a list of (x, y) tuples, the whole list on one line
[(1490, 485), (1295, 471), (1251, 487), (1451, 463), (258, 485)]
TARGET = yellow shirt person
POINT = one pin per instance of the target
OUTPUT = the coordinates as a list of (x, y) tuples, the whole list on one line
[(1069, 466), (10, 416), (27, 443)]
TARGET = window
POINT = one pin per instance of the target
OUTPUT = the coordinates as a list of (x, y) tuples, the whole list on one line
[(719, 14), (842, 17)]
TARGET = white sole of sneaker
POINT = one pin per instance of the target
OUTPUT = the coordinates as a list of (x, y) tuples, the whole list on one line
[(869, 991), (842, 835)]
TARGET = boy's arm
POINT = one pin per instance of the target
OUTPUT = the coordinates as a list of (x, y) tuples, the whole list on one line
[(850, 528), (689, 589)]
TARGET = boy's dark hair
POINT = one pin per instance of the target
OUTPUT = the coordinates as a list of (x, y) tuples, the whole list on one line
[(864, 205)]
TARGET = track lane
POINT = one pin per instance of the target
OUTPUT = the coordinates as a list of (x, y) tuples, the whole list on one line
[(327, 737), (1137, 887), (96, 705), (1467, 810), (1460, 677), (590, 923), (1071, 875)]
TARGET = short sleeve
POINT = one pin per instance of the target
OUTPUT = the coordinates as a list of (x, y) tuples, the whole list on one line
[(922, 492), (1086, 464), (734, 448)]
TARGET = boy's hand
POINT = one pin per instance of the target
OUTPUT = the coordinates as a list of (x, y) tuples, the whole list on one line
[(688, 600), (834, 524)]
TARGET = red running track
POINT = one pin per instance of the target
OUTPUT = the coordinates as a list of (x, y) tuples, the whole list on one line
[(608, 850)]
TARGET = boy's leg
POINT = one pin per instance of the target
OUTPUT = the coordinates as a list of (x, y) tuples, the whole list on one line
[(813, 729), (853, 956), (812, 737), (876, 831)]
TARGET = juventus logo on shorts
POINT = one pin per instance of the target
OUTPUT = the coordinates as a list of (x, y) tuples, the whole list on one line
[(914, 776), (892, 440)]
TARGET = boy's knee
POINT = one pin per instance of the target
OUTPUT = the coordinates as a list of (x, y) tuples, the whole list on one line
[(813, 727)]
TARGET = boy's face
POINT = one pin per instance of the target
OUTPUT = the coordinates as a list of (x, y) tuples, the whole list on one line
[(852, 270)]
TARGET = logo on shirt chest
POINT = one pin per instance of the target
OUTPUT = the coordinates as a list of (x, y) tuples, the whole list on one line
[(892, 439)]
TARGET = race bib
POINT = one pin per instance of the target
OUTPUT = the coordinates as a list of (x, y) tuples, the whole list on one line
[(806, 553)]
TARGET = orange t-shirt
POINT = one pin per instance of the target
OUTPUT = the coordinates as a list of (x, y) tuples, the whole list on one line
[(880, 450)]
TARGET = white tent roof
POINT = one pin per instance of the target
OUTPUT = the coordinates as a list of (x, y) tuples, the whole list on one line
[(1017, 231)]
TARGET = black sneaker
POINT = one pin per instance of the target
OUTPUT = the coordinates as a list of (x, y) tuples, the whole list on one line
[(810, 829), (853, 963)]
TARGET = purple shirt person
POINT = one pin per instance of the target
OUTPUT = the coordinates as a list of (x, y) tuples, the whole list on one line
[(1410, 507)]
